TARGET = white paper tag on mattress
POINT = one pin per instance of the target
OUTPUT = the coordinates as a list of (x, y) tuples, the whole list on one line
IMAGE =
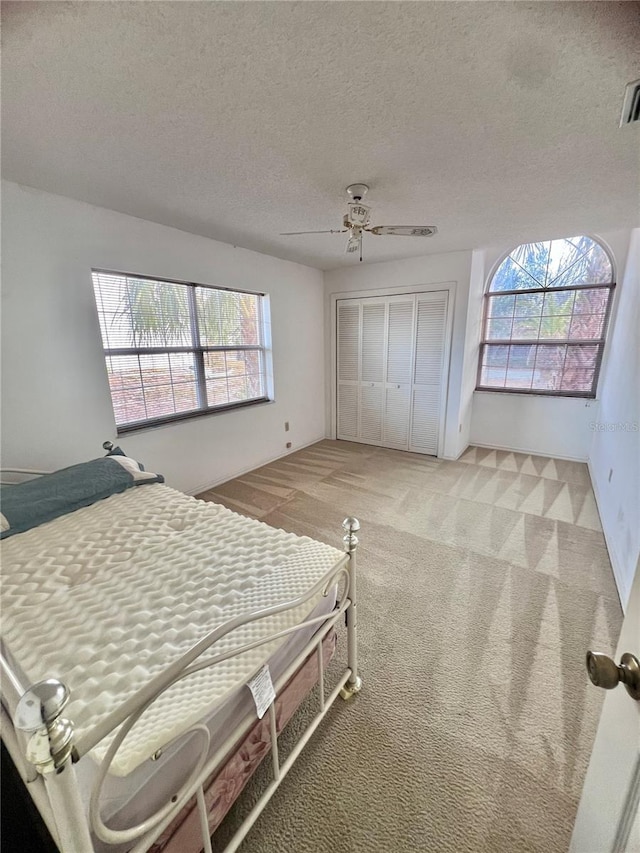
[(262, 690)]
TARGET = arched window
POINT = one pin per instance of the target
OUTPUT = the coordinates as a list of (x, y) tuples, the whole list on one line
[(545, 319)]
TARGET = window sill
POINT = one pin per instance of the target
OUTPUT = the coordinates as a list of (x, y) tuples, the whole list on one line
[(125, 429), (571, 395)]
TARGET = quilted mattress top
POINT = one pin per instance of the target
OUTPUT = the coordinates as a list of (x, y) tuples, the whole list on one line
[(106, 597)]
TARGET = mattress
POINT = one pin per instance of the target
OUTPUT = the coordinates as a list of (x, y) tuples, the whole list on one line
[(107, 597)]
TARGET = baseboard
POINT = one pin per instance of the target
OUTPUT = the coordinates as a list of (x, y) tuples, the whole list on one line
[(199, 489), (623, 585), (529, 452)]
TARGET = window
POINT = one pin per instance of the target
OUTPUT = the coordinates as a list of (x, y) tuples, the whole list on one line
[(174, 350), (545, 319)]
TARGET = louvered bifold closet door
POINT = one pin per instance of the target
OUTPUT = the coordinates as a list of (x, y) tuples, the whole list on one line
[(397, 402), (428, 381), (348, 369), (372, 370)]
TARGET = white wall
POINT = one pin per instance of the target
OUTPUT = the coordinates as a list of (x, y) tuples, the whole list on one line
[(413, 272), (473, 332), (549, 426), (615, 439), (56, 408)]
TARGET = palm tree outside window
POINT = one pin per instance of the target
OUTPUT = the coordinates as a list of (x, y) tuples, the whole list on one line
[(174, 349), (545, 318)]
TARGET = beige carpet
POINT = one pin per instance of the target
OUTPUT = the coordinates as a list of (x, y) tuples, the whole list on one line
[(482, 582)]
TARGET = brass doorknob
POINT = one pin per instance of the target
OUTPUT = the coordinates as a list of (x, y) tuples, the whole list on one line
[(606, 673)]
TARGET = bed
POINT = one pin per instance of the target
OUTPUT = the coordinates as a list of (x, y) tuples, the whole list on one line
[(154, 646)]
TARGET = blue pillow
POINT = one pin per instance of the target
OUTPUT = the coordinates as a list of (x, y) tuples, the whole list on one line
[(26, 505)]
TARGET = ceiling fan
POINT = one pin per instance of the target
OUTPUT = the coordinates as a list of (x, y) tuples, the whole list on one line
[(356, 222)]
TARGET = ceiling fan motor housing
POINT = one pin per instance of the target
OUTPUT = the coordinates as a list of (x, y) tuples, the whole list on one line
[(359, 214)]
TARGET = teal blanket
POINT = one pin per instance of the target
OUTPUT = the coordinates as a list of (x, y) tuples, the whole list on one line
[(29, 504)]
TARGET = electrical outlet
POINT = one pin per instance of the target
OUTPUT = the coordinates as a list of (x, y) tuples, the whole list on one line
[(286, 426), (288, 445)]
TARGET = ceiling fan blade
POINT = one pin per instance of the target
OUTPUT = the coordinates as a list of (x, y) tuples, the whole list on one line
[(331, 231), (354, 244), (404, 230)]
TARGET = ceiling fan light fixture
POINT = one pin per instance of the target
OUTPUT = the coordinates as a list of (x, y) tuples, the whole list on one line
[(353, 243)]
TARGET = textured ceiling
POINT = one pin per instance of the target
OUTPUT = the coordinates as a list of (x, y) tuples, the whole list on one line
[(239, 120)]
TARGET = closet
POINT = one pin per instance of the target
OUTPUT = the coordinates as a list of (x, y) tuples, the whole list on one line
[(390, 370)]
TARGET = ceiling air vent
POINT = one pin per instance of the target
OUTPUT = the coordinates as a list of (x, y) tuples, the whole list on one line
[(631, 104)]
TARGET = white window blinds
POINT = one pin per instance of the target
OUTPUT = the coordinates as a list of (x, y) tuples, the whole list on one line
[(175, 350)]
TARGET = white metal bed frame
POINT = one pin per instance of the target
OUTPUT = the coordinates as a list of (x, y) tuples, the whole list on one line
[(43, 746)]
